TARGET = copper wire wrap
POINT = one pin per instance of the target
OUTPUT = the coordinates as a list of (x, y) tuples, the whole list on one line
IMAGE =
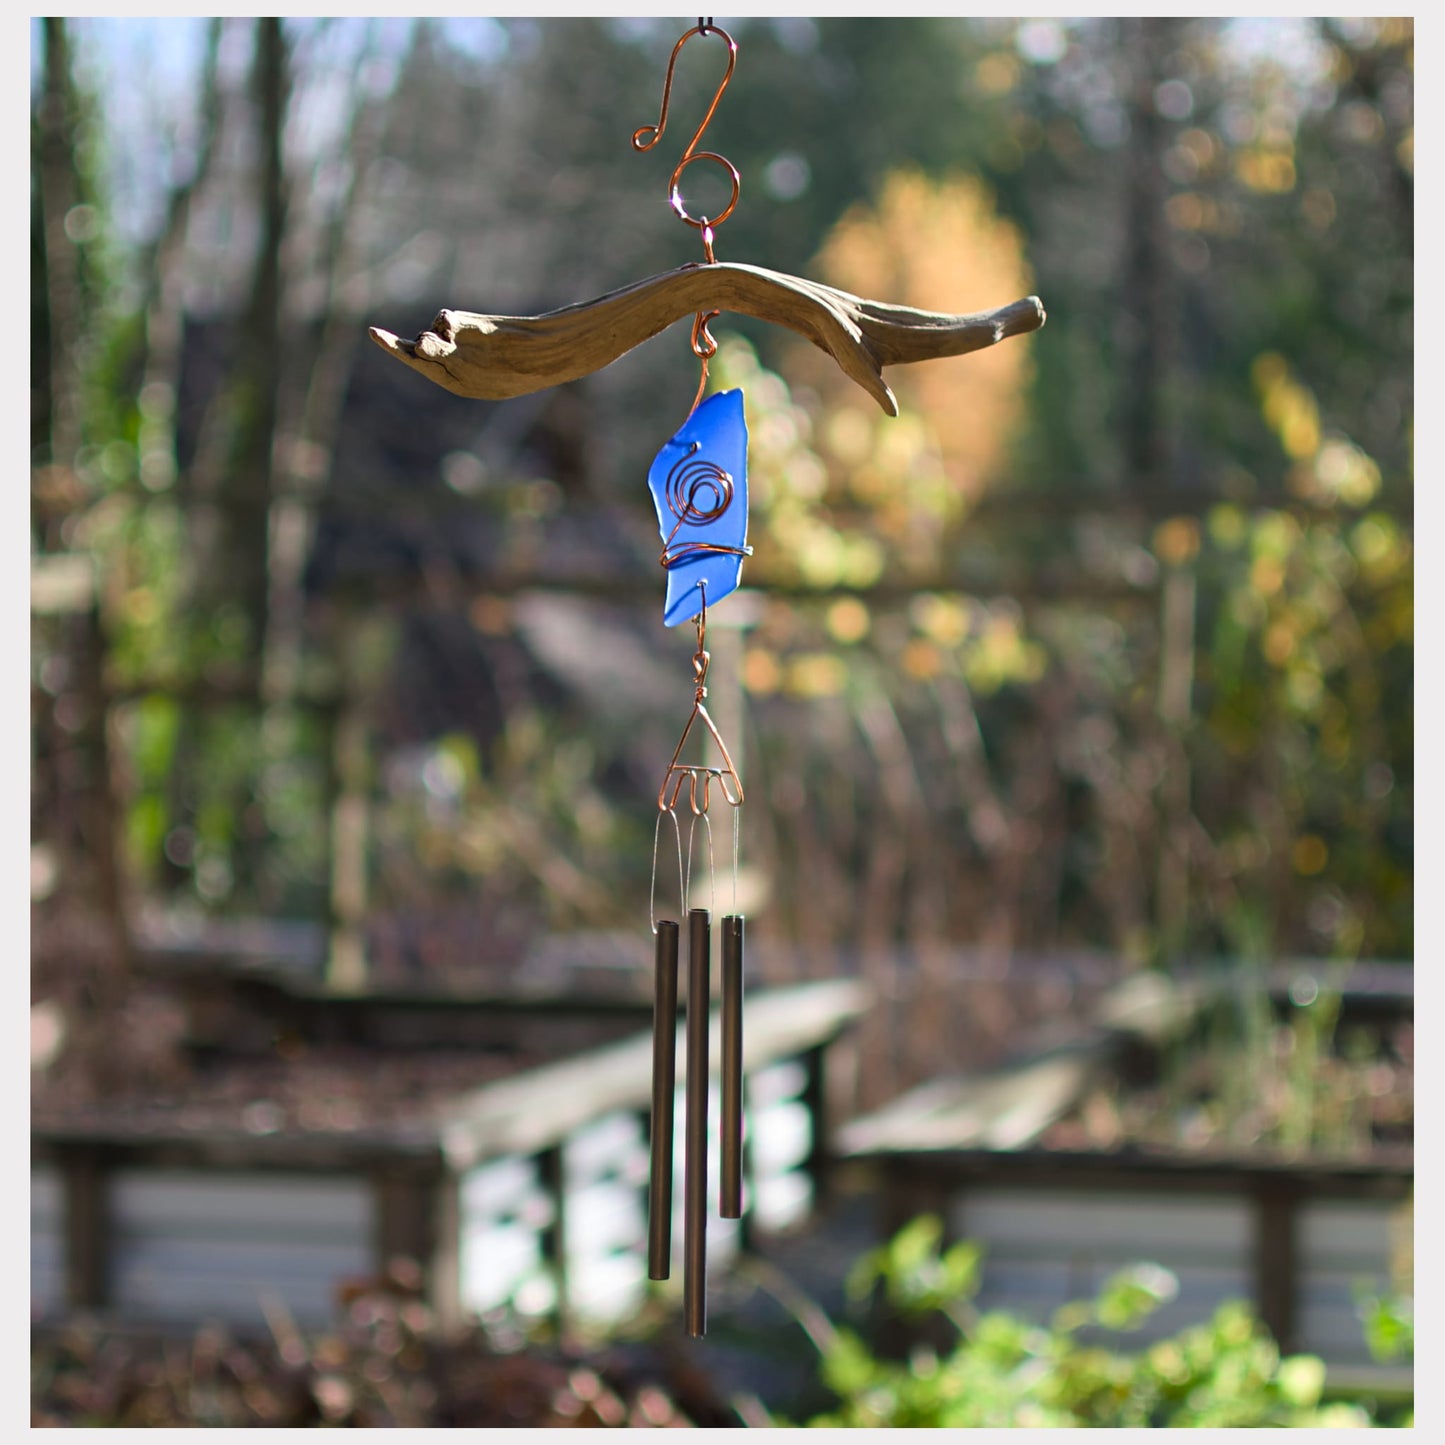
[(698, 492)]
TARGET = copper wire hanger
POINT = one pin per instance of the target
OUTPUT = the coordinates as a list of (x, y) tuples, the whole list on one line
[(704, 347)]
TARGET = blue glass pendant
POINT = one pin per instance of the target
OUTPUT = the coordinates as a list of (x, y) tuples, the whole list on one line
[(699, 484)]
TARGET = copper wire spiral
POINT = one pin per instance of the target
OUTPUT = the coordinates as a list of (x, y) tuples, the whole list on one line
[(692, 477)]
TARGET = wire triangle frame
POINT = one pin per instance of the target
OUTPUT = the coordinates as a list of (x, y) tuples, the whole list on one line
[(680, 774)]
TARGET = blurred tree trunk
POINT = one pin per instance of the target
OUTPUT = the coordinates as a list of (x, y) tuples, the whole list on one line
[(307, 428), (165, 273), (81, 948), (1177, 622), (1149, 298), (308, 425), (1151, 353), (231, 477), (230, 519), (163, 267), (55, 410)]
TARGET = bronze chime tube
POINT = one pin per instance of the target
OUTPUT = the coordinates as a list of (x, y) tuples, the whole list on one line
[(730, 1201), (664, 1085), (694, 1159)]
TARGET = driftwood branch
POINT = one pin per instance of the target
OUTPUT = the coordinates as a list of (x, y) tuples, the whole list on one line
[(497, 357)]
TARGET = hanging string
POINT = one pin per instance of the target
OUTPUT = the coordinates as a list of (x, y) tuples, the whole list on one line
[(681, 884), (711, 862), (711, 868), (737, 848)]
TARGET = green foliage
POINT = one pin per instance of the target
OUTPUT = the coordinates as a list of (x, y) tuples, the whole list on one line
[(1308, 627), (1389, 1326), (1005, 1371), (916, 1276)]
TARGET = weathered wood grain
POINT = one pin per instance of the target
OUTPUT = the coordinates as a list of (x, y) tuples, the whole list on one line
[(536, 1109), (1009, 1107), (494, 358)]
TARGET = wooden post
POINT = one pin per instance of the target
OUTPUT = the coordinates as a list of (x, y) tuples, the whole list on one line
[(905, 1193), (815, 1098), (1276, 1258), (87, 1230), (444, 1277), (346, 962), (554, 1236), (406, 1218)]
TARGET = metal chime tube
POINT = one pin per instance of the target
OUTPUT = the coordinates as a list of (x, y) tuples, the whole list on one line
[(664, 1085), (730, 1203), (694, 1159)]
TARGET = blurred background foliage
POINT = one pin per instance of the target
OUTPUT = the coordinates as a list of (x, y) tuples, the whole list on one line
[(1105, 641)]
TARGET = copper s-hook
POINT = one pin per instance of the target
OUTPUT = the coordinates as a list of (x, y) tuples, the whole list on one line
[(706, 225), (704, 347)]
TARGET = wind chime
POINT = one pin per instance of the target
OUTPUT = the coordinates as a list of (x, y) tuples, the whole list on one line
[(698, 483)]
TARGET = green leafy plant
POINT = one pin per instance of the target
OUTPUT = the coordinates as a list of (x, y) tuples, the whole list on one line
[(1006, 1371), (1389, 1320)]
